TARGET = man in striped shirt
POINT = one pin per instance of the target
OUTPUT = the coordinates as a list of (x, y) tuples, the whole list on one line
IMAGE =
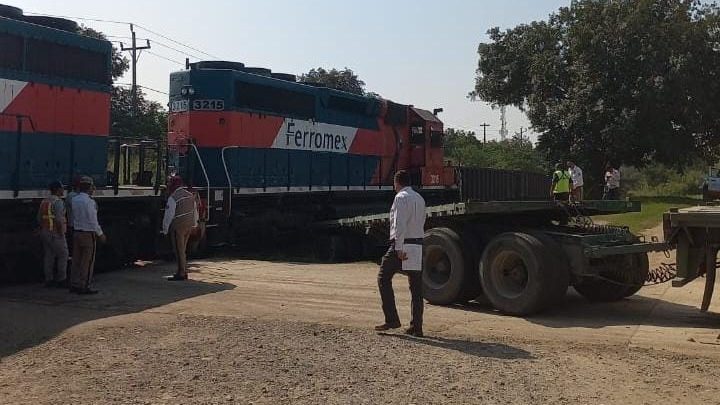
[(181, 216)]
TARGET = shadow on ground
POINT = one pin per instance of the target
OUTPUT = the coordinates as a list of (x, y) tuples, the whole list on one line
[(577, 312), (31, 314), (469, 347)]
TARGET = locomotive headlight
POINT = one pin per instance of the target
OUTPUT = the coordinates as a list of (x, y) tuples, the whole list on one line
[(187, 91)]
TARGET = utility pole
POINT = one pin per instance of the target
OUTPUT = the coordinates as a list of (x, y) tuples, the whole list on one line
[(134, 54), (484, 126), (520, 134)]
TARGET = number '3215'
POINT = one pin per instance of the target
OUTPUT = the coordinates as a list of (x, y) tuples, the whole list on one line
[(212, 105)]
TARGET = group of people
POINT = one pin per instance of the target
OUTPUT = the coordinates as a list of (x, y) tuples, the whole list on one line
[(73, 222), (567, 183)]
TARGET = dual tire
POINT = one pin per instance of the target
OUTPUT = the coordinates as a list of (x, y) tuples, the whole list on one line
[(518, 273)]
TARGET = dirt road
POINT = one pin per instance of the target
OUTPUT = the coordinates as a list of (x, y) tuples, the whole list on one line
[(246, 331)]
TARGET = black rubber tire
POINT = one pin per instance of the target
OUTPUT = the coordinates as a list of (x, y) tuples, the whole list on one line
[(560, 265), (537, 279), (11, 12), (53, 22), (639, 273), (444, 266), (622, 270), (472, 248)]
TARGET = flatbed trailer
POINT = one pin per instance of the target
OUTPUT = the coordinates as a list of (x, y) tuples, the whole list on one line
[(522, 255), (695, 234)]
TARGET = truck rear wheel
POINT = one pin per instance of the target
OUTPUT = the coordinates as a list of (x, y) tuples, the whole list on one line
[(619, 277), (446, 267), (639, 273), (522, 273)]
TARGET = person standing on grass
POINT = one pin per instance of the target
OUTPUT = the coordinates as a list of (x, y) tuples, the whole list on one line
[(612, 183), (576, 175), (407, 229)]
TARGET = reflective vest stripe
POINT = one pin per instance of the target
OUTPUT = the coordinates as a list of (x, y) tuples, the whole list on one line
[(47, 217)]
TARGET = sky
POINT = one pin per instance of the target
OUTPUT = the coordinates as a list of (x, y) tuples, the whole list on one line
[(418, 52)]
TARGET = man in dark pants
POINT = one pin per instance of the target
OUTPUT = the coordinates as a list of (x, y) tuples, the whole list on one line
[(407, 228)]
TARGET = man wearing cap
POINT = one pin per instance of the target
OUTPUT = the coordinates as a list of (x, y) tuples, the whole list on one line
[(86, 232), (51, 217), (181, 216)]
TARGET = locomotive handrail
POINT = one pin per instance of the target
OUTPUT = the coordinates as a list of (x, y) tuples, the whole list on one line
[(227, 174), (207, 179)]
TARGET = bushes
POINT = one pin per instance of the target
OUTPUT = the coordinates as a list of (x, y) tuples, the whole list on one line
[(660, 180)]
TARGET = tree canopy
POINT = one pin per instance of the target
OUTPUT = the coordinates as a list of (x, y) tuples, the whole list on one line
[(465, 149), (151, 119), (345, 79), (628, 82)]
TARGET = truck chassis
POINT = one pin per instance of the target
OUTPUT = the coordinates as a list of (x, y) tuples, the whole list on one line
[(521, 255)]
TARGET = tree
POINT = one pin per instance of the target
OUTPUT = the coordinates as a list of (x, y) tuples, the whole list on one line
[(150, 122), (151, 119), (345, 80), (465, 149), (624, 81)]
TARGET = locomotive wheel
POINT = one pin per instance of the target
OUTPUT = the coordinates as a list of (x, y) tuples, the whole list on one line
[(445, 268), (522, 274), (623, 276)]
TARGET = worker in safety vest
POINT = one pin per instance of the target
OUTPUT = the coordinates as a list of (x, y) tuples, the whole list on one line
[(561, 183), (53, 226), (181, 216)]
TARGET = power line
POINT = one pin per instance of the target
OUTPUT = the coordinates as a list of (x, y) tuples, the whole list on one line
[(137, 25), (156, 42), (144, 87), (167, 59), (176, 42), (79, 18)]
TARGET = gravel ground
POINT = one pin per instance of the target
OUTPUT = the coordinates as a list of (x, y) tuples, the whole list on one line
[(181, 359)]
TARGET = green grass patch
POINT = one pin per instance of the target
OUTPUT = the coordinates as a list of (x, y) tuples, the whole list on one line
[(651, 213)]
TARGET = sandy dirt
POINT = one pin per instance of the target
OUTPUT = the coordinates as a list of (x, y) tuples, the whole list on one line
[(248, 331)]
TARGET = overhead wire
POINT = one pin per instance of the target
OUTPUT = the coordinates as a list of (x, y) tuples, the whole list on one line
[(142, 27), (176, 42)]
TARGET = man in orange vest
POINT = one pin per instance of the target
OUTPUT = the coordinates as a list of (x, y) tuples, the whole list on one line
[(53, 226), (181, 216)]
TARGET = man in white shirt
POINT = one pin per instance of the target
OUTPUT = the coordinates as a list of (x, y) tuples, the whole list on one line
[(612, 183), (576, 175), (86, 232), (181, 216), (407, 229)]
